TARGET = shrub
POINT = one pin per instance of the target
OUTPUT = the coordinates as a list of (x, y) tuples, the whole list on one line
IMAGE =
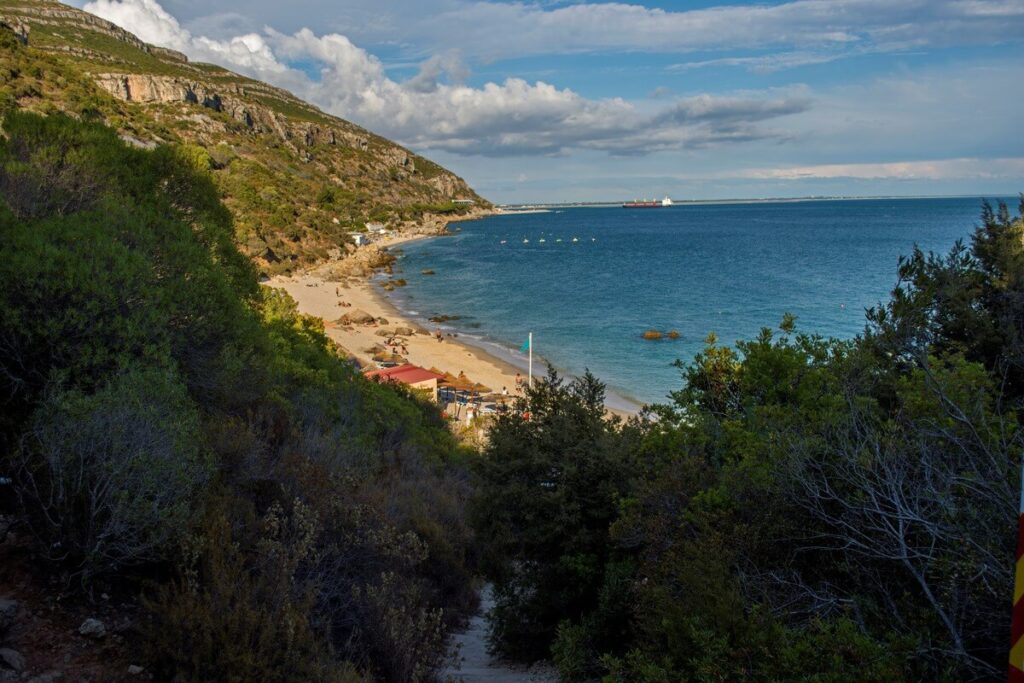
[(110, 479), (239, 613)]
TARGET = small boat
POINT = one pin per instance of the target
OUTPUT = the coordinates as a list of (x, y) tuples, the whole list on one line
[(542, 240), (559, 239), (526, 241), (504, 241), (593, 239), (575, 239)]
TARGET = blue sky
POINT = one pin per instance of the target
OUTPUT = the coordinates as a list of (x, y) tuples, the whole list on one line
[(548, 100)]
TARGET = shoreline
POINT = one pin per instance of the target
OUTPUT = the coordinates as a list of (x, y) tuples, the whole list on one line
[(616, 400), (318, 292)]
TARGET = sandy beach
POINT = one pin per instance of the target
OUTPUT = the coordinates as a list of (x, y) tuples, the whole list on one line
[(317, 295), (322, 293)]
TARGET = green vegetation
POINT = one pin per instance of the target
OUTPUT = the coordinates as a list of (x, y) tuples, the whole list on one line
[(297, 180), (803, 509), (175, 431)]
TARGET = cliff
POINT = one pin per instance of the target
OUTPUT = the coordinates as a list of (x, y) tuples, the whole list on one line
[(296, 179)]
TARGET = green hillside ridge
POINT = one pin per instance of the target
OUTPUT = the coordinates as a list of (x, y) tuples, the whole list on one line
[(296, 179)]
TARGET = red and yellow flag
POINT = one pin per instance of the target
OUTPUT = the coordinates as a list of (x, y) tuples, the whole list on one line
[(1017, 628)]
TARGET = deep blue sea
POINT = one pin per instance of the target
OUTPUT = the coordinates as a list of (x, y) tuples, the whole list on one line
[(696, 268)]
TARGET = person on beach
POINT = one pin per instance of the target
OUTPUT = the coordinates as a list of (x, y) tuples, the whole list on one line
[(519, 381), (438, 335), (504, 391)]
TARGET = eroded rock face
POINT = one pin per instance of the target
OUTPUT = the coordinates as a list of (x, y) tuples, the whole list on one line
[(154, 89)]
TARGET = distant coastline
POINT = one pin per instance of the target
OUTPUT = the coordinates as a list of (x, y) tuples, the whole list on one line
[(540, 207)]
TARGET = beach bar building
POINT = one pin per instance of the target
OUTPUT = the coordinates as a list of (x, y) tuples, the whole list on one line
[(410, 375)]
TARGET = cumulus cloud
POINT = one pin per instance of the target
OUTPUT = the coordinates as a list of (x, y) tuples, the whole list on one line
[(436, 110)]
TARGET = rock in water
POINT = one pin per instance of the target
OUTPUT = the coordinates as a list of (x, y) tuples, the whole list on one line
[(92, 628)]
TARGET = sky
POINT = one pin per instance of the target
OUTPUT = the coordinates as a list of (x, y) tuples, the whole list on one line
[(564, 100)]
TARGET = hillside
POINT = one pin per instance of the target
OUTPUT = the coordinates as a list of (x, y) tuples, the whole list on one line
[(296, 179)]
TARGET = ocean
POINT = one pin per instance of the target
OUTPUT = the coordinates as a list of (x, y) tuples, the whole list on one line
[(730, 269)]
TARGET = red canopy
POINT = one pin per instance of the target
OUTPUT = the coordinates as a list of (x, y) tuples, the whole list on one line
[(406, 374)]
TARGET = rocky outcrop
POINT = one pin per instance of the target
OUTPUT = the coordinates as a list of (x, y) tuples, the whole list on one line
[(17, 27), (154, 89)]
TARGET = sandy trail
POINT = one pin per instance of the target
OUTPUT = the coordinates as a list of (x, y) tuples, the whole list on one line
[(474, 665)]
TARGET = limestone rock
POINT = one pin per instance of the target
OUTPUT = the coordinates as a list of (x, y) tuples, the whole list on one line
[(12, 659), (92, 628), (358, 316)]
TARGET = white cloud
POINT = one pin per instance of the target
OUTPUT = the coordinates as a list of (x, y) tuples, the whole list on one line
[(939, 169), (493, 30), (435, 110)]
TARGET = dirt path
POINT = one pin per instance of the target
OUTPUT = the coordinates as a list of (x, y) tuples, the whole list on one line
[(476, 666)]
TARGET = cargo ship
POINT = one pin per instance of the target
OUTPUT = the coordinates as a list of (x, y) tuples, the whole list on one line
[(654, 204)]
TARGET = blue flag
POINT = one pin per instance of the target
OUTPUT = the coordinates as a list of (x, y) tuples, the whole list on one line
[(526, 346)]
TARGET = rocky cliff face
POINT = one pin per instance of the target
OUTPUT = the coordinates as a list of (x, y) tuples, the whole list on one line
[(235, 101)]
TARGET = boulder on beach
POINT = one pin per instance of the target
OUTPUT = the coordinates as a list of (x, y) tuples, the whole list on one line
[(404, 331), (651, 334), (385, 332), (358, 316), (382, 321)]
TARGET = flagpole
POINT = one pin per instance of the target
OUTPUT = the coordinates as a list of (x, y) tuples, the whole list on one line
[(530, 342)]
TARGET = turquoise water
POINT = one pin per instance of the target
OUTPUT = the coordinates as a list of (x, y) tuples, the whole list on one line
[(727, 268)]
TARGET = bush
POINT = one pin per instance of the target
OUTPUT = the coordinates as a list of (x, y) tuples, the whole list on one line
[(239, 613), (111, 479)]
